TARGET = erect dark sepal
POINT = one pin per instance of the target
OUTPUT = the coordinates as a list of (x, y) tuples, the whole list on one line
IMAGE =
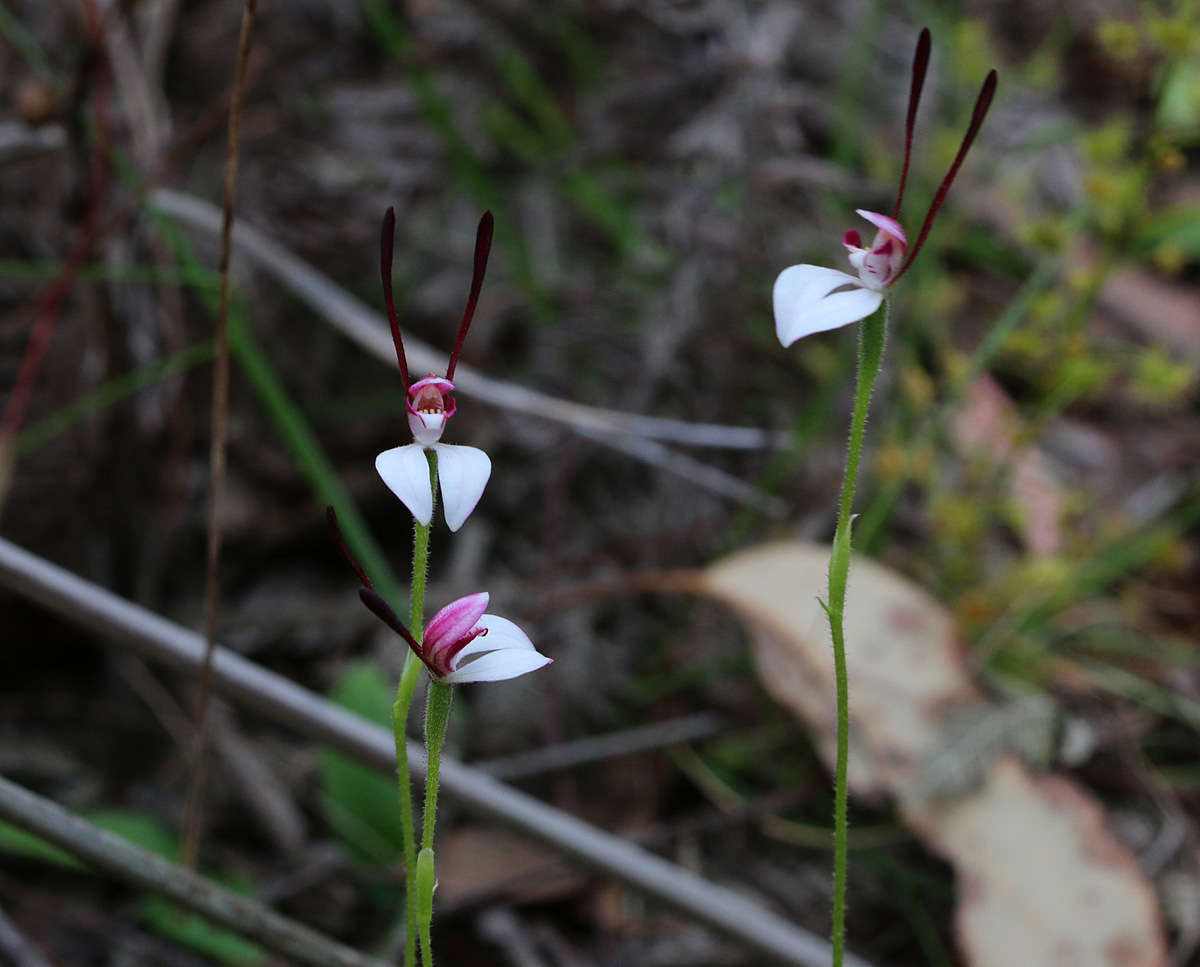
[(378, 607), (331, 518), (483, 248), (984, 101), (386, 241), (920, 64)]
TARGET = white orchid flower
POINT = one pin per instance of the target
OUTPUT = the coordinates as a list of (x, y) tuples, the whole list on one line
[(811, 298), (463, 472)]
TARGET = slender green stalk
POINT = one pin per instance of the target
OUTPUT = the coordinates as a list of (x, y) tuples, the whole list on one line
[(404, 697), (437, 716), (871, 336)]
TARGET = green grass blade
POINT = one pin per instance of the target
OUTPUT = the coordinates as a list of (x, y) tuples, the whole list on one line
[(110, 393)]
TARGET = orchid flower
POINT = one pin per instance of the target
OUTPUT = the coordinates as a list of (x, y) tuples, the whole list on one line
[(463, 471), (496, 648), (811, 298)]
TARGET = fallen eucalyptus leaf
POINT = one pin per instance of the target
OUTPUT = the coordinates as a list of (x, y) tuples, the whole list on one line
[(1042, 880)]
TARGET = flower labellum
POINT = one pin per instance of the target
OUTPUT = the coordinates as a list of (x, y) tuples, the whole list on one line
[(430, 405), (462, 471), (810, 298)]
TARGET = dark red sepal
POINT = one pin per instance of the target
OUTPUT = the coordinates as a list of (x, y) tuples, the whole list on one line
[(331, 518), (483, 248), (386, 241), (920, 64), (378, 607), (982, 103)]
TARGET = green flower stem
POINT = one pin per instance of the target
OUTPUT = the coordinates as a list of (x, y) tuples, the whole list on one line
[(437, 715), (404, 697), (872, 333)]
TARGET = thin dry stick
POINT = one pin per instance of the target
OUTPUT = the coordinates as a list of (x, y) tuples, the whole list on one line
[(367, 328), (113, 854), (280, 700), (220, 414), (569, 755), (19, 951)]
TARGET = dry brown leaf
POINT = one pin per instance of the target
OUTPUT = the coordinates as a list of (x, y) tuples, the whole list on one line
[(1163, 310), (902, 653), (479, 865), (987, 428), (1042, 881)]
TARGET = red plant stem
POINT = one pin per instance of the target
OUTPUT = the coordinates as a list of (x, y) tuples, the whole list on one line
[(49, 304)]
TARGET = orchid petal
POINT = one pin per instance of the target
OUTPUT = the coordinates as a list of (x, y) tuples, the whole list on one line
[(444, 385), (805, 301), (502, 635), (889, 226), (498, 666), (464, 472), (406, 472), (454, 621)]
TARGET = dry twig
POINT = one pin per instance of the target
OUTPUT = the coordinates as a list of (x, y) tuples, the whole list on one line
[(16, 949), (220, 428), (113, 854), (322, 721), (367, 328)]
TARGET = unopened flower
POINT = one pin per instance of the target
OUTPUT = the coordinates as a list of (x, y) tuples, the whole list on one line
[(462, 471), (811, 298), (461, 643)]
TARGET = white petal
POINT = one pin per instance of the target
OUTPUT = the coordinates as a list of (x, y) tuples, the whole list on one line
[(803, 304), (502, 635), (464, 472), (498, 665), (406, 472)]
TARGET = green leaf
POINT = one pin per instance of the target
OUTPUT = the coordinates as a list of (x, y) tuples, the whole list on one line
[(140, 829), (17, 842), (160, 915), (360, 804), (194, 932), (1178, 226)]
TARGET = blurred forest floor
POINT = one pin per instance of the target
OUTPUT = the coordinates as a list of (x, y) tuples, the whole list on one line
[(1032, 459)]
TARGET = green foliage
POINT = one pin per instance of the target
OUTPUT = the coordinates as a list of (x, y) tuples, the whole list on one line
[(160, 915), (109, 394), (17, 842), (360, 802), (1179, 106), (194, 932), (1158, 380), (1178, 226)]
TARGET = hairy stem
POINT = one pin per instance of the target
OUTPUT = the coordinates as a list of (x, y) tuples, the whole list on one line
[(437, 716), (404, 697), (871, 335)]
